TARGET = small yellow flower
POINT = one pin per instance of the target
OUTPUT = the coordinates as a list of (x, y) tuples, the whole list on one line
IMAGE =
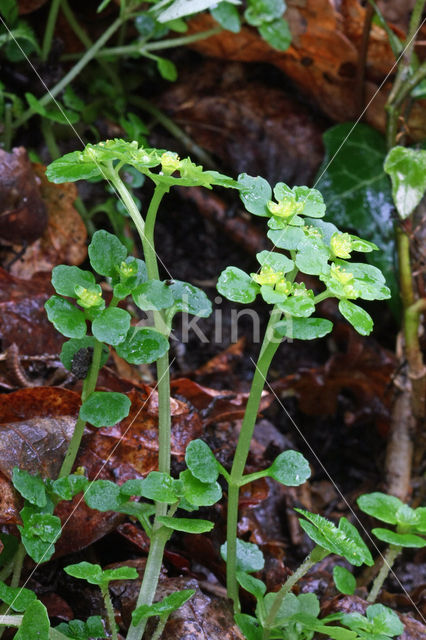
[(285, 208), (267, 275), (170, 162), (88, 297), (284, 286), (127, 269), (341, 245)]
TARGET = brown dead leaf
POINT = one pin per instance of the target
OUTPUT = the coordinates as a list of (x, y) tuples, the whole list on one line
[(28, 6)]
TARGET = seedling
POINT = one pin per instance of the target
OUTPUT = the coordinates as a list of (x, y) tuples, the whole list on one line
[(410, 526), (379, 623)]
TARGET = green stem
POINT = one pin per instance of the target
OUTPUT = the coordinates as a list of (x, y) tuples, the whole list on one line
[(141, 48), (159, 628), (72, 73), (50, 28), (7, 570), (110, 612), (308, 562), (150, 578), (390, 556), (49, 138), (267, 352), (18, 562), (89, 385)]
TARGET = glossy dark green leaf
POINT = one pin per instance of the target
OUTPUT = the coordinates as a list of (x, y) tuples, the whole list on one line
[(35, 623), (106, 252), (32, 488), (249, 556), (190, 299), (143, 345), (71, 167), (163, 608), (186, 525), (103, 495), (298, 306), (290, 468), (254, 586), (69, 486), (236, 285), (303, 328), (201, 461), (111, 325), (380, 506), (18, 599), (66, 318), (226, 14), (255, 194), (160, 487), (344, 580), (71, 347), (153, 295), (88, 571), (197, 493), (65, 279), (356, 316), (276, 33), (407, 170), (399, 539), (105, 408)]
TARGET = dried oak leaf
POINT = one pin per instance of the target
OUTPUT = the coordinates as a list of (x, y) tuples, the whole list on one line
[(65, 236), (23, 216)]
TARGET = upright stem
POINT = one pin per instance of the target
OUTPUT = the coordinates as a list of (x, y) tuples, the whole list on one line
[(17, 567), (89, 385), (267, 352), (50, 28), (110, 612), (390, 556)]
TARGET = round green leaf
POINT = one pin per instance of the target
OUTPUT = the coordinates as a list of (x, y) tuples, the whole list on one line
[(103, 495), (399, 539), (35, 623), (106, 252), (65, 279), (303, 328), (277, 261), (153, 295), (66, 318), (160, 487), (298, 306), (277, 34), (92, 573), (32, 488), (254, 586), (226, 14), (187, 525), (142, 345), (290, 468), (288, 238), (190, 299), (111, 325), (313, 202), (69, 486), (105, 408), (255, 194), (312, 257), (407, 169), (197, 493), (356, 316), (384, 620), (71, 347), (163, 608), (201, 461), (380, 506), (259, 12), (344, 580), (236, 285), (249, 556)]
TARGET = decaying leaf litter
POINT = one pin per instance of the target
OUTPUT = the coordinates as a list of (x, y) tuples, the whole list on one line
[(339, 393)]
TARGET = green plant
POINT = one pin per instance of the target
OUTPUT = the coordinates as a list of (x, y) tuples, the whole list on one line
[(379, 623), (410, 525)]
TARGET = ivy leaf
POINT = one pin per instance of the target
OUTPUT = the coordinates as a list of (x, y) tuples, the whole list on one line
[(18, 599), (344, 580), (197, 493), (105, 408), (380, 506), (106, 252), (160, 487), (226, 14), (399, 539), (35, 623), (103, 495), (142, 345), (201, 461), (163, 608), (32, 488), (65, 279), (249, 556), (71, 167), (111, 325), (71, 347), (187, 525), (190, 299), (66, 318), (356, 316), (276, 33), (255, 194), (277, 261), (236, 285), (303, 328), (407, 170), (357, 192), (153, 295), (290, 468)]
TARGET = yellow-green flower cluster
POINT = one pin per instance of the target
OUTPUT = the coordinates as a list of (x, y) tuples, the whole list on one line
[(285, 208), (89, 297), (341, 245)]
